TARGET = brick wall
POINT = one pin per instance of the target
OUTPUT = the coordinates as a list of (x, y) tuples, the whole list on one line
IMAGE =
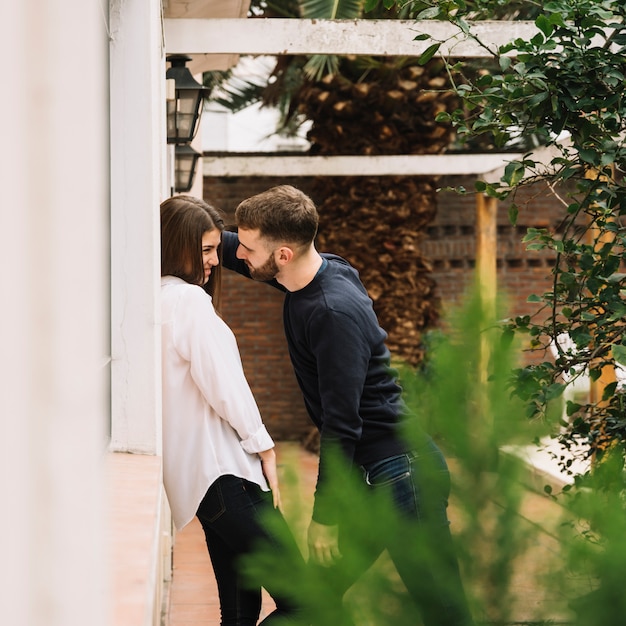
[(254, 311), (451, 245)]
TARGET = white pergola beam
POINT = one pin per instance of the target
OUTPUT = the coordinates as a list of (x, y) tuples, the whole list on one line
[(396, 165), (362, 37)]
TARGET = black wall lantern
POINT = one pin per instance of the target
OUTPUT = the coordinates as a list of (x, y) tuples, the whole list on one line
[(186, 159), (184, 111)]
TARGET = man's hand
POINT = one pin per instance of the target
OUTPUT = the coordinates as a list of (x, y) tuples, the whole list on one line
[(323, 543)]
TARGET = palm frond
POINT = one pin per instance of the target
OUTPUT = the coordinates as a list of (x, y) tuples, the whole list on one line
[(238, 97), (331, 9), (242, 85), (320, 65), (274, 8)]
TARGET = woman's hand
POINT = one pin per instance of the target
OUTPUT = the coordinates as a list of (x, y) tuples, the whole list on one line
[(268, 461)]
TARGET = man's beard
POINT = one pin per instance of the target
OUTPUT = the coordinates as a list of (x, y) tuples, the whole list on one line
[(265, 272)]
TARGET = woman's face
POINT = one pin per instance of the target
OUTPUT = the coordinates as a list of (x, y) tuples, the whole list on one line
[(210, 241)]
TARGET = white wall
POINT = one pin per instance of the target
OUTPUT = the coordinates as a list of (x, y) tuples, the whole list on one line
[(54, 407), (138, 185), (252, 129)]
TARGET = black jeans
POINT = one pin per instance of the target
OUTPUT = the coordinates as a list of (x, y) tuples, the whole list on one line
[(230, 514)]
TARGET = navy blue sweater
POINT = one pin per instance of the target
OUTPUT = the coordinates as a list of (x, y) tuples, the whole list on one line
[(341, 362)]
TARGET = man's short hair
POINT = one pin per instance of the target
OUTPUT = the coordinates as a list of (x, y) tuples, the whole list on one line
[(280, 214)]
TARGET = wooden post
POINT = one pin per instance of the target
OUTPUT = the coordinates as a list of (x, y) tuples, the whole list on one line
[(486, 252), (608, 376), (486, 269)]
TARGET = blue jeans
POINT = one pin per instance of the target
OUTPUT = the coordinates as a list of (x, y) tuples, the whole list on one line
[(230, 514), (417, 485)]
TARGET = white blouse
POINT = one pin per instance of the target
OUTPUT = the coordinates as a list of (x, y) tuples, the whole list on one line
[(211, 423)]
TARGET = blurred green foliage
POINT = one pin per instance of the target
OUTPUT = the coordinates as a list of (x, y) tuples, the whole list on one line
[(463, 395)]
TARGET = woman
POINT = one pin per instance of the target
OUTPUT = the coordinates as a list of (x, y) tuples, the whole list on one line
[(218, 456)]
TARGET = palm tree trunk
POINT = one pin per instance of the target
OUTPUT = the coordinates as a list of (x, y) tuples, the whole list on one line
[(382, 106)]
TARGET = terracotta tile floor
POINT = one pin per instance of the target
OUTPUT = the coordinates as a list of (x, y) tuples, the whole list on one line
[(193, 593), (193, 597)]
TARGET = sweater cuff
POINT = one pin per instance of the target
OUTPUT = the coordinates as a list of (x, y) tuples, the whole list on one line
[(324, 515)]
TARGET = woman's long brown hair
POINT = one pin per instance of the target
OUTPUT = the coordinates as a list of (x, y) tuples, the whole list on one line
[(184, 220)]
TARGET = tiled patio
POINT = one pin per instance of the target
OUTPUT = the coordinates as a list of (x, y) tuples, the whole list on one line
[(193, 597), (193, 593)]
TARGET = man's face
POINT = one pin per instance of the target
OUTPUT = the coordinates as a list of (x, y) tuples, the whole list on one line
[(254, 252)]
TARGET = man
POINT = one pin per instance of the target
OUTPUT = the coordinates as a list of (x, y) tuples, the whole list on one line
[(341, 362)]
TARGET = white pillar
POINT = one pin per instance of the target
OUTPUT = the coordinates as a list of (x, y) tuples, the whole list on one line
[(137, 188), (54, 406)]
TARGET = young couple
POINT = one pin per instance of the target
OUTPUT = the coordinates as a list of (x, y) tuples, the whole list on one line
[(219, 462)]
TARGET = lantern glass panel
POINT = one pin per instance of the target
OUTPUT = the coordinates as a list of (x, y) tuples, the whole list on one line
[(185, 169), (183, 115)]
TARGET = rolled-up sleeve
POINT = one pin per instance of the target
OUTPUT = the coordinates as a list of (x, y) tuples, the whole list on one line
[(209, 345)]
